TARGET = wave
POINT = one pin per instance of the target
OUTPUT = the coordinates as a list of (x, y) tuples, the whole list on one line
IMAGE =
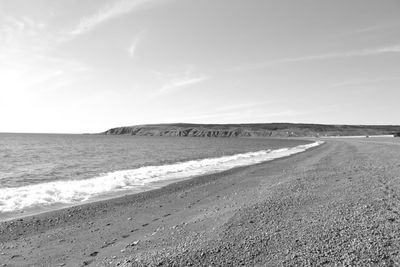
[(137, 180)]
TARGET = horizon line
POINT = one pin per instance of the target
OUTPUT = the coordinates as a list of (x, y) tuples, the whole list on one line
[(199, 124)]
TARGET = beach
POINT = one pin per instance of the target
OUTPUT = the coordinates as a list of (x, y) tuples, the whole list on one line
[(335, 204)]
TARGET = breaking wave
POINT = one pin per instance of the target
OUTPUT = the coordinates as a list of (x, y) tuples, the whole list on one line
[(137, 180)]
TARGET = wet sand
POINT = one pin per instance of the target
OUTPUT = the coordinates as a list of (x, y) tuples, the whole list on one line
[(335, 204)]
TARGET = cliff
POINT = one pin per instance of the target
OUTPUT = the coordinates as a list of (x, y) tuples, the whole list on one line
[(252, 130)]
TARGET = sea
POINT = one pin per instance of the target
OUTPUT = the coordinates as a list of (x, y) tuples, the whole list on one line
[(41, 172)]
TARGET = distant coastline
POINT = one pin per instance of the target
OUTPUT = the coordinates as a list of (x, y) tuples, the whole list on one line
[(254, 130)]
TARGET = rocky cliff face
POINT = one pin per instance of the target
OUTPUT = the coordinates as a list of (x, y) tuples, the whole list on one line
[(194, 132), (251, 130)]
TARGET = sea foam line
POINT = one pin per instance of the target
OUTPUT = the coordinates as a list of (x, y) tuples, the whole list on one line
[(76, 191)]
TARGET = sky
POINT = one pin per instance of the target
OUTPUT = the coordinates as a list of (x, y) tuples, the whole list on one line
[(83, 66)]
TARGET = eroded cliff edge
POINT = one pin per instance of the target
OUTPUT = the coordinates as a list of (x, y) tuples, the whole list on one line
[(253, 130)]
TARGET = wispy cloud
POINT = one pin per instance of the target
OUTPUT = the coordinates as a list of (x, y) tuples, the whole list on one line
[(26, 59), (357, 82), (372, 29), (15, 31), (134, 45), (333, 55), (176, 81), (109, 12)]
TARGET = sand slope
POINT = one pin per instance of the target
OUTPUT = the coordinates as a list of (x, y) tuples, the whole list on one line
[(335, 204)]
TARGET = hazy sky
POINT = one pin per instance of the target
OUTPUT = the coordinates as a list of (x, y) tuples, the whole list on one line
[(88, 65)]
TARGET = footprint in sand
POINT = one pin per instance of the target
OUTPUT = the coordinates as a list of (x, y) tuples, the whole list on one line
[(87, 262), (93, 254)]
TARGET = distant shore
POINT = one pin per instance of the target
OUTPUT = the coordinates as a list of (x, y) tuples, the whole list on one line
[(335, 204), (254, 130)]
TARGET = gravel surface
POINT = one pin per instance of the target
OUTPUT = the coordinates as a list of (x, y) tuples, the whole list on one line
[(335, 205)]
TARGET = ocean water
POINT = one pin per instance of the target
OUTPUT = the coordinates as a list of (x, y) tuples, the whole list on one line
[(43, 171)]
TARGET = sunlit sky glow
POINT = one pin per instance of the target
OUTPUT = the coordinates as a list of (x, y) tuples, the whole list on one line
[(76, 66)]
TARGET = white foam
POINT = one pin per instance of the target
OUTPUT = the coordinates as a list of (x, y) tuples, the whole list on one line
[(140, 179)]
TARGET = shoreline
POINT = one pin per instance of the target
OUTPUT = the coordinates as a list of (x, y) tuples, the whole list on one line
[(328, 205), (20, 214), (84, 211)]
